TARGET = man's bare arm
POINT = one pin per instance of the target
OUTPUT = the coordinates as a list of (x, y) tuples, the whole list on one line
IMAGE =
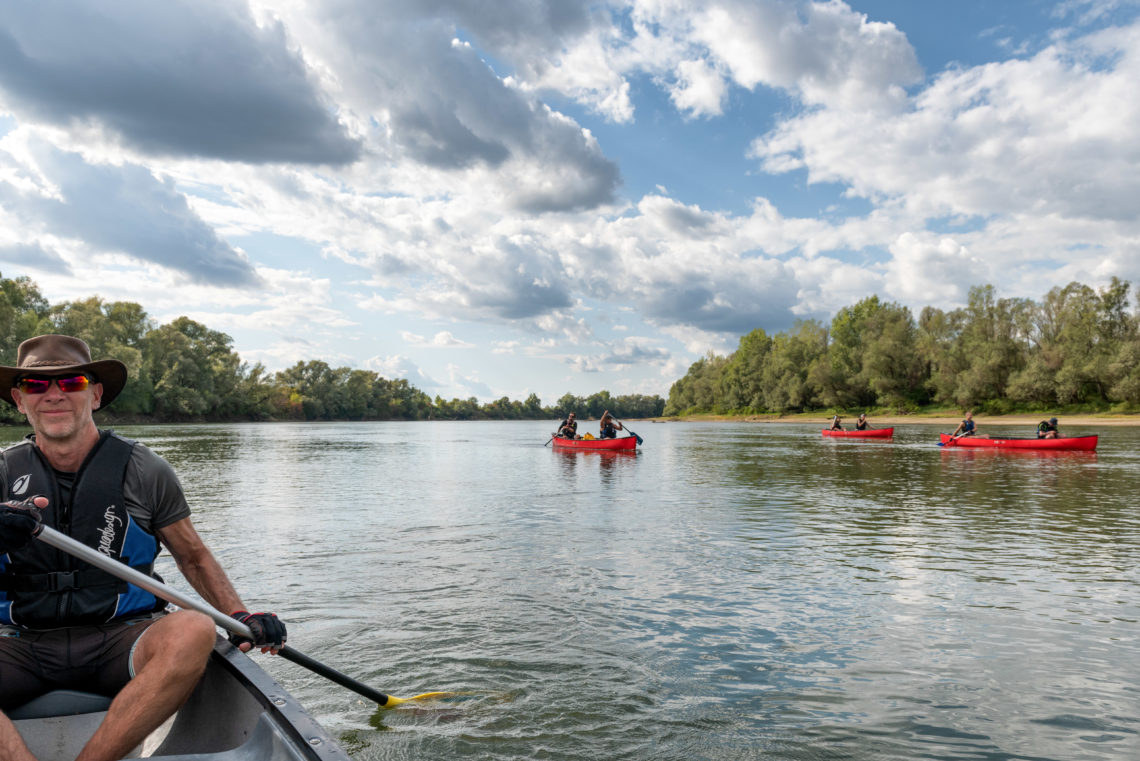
[(199, 566)]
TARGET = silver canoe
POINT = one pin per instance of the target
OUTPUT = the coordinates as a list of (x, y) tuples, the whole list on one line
[(237, 713)]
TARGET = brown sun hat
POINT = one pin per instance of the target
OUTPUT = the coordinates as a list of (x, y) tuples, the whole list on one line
[(59, 356)]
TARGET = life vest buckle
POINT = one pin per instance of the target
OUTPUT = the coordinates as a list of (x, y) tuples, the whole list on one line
[(62, 581)]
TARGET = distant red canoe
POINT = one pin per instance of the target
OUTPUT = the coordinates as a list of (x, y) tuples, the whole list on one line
[(870, 433), (1081, 443), (625, 442)]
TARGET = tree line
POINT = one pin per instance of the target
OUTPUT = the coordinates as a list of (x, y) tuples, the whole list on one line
[(1077, 346), (183, 371)]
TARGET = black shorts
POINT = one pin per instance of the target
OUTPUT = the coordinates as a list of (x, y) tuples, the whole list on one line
[(88, 658)]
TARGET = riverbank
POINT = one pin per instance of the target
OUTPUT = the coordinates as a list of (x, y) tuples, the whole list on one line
[(943, 418)]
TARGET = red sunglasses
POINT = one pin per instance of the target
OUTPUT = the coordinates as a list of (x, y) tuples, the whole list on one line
[(35, 386)]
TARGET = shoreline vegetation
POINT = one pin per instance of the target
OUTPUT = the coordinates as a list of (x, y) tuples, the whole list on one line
[(184, 372), (1075, 355), (1075, 352)]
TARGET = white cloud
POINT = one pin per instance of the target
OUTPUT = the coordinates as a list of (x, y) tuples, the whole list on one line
[(824, 52), (442, 340), (699, 89), (1053, 134), (174, 78), (400, 366), (468, 384), (927, 269)]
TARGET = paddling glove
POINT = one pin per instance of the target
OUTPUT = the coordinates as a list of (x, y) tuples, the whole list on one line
[(18, 522), (268, 630)]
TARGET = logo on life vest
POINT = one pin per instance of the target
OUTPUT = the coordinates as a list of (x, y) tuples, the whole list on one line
[(107, 535), (20, 485)]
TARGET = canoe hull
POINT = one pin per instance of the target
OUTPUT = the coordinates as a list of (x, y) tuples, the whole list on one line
[(873, 433), (236, 711), (624, 443), (1069, 443)]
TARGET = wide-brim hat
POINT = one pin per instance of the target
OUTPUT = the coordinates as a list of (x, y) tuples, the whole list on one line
[(58, 356)]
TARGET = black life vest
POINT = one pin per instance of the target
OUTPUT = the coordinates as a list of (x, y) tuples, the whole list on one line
[(45, 588)]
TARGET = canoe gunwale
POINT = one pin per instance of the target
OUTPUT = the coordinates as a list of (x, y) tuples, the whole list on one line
[(278, 703)]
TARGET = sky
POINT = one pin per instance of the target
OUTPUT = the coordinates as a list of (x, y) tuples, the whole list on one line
[(560, 196)]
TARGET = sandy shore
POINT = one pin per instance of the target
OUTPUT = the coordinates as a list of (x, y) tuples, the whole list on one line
[(881, 421)]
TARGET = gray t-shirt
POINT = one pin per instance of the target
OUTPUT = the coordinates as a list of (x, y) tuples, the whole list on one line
[(151, 490)]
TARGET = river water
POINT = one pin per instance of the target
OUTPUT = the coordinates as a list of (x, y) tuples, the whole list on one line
[(730, 591)]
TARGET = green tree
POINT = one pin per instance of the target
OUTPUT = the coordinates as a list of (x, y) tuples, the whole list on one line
[(742, 382), (194, 370)]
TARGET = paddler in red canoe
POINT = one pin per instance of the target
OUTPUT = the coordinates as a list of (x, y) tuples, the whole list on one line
[(1047, 429), (835, 426), (568, 429), (966, 427), (861, 424)]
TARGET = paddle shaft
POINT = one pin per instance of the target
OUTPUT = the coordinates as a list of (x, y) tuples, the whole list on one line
[(632, 433), (77, 549)]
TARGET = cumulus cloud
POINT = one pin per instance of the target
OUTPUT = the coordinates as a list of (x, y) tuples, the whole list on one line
[(630, 351), (460, 115), (826, 53), (116, 209), (1051, 134), (399, 366), (927, 269), (174, 78), (442, 340), (33, 256), (699, 90), (468, 384)]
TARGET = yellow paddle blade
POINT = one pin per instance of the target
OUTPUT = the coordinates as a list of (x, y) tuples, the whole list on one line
[(395, 701)]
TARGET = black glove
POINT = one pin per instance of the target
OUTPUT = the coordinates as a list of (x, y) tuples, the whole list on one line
[(267, 629), (18, 522)]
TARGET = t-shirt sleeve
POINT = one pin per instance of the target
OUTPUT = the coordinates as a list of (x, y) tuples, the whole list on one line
[(152, 491)]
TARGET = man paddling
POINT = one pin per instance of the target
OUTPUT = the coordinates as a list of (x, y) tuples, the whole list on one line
[(1047, 429), (608, 427), (966, 427), (568, 428), (65, 624)]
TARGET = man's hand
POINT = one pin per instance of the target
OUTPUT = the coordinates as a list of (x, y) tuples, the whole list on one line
[(19, 522), (267, 629)]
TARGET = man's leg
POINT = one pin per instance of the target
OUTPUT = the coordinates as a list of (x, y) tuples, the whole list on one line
[(22, 680), (12, 746), (169, 659)]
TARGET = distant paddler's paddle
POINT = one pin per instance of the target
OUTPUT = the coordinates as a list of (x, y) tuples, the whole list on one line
[(952, 440), (640, 440), (154, 586)]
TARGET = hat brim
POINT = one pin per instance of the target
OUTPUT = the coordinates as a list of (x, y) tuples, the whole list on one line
[(110, 372)]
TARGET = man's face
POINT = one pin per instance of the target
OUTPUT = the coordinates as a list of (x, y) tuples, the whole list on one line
[(57, 414)]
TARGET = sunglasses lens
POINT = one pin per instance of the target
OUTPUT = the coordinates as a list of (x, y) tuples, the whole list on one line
[(33, 385), (70, 385)]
